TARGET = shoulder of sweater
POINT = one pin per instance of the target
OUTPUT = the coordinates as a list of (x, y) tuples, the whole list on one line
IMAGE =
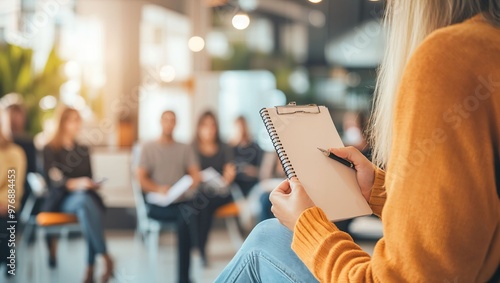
[(472, 31), (15, 152), (463, 44), (16, 149)]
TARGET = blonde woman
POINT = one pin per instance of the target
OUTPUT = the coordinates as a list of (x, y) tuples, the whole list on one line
[(436, 131), (12, 176)]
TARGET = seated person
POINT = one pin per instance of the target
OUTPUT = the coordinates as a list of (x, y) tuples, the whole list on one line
[(247, 157), (212, 152), (13, 168), (439, 199), (16, 130), (271, 175), (163, 162), (71, 190)]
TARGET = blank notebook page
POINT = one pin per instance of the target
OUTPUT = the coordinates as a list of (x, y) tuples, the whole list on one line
[(332, 186)]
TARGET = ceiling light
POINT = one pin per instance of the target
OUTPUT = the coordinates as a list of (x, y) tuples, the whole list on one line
[(196, 44), (314, 1), (167, 73), (241, 21)]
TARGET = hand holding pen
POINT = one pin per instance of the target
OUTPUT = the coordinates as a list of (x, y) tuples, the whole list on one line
[(353, 158), (343, 161)]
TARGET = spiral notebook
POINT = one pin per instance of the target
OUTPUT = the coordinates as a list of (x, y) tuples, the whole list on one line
[(296, 133)]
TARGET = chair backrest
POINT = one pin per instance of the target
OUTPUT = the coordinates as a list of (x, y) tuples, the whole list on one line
[(38, 189), (37, 184), (140, 203)]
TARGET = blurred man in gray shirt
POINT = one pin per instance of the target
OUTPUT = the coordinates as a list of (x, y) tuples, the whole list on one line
[(163, 162)]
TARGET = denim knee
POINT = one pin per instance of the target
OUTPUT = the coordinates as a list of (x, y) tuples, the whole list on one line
[(82, 198), (270, 225), (268, 232), (87, 201)]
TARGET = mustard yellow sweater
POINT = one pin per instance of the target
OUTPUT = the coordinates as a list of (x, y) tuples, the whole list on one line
[(438, 201), (12, 157)]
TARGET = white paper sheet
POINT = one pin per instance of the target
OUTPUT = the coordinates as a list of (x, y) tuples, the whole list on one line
[(209, 176), (173, 194), (212, 178)]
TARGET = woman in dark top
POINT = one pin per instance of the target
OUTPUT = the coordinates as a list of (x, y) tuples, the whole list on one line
[(211, 153), (71, 189), (247, 157)]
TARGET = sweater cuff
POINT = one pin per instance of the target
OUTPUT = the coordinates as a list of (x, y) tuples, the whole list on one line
[(310, 231), (378, 193)]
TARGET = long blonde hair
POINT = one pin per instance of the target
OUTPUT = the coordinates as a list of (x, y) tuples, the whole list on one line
[(409, 22)]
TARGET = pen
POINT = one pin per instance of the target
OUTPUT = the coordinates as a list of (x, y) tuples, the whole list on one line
[(336, 158)]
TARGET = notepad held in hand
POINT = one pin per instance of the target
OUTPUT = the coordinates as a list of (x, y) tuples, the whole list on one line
[(297, 132)]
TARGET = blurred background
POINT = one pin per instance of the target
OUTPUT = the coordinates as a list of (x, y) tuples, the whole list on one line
[(121, 63)]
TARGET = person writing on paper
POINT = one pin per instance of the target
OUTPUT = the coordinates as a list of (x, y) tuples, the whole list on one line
[(68, 173), (212, 152), (436, 132), (163, 162)]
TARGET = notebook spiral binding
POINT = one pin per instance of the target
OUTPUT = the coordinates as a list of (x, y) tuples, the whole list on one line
[(278, 146)]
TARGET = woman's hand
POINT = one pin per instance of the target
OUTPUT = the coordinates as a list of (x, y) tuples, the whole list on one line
[(82, 183), (229, 173), (289, 200), (365, 170), (251, 171)]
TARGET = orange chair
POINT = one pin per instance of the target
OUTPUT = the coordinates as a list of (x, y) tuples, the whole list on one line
[(48, 223), (228, 210), (46, 219), (52, 223)]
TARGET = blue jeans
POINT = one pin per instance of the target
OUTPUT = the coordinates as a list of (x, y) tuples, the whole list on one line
[(90, 216), (266, 256)]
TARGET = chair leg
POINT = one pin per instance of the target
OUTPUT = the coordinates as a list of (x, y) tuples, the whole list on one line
[(39, 258), (153, 245), (27, 233), (63, 245), (234, 232)]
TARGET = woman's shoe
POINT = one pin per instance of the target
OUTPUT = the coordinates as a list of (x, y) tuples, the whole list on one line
[(109, 273), (52, 261), (89, 276), (52, 253)]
